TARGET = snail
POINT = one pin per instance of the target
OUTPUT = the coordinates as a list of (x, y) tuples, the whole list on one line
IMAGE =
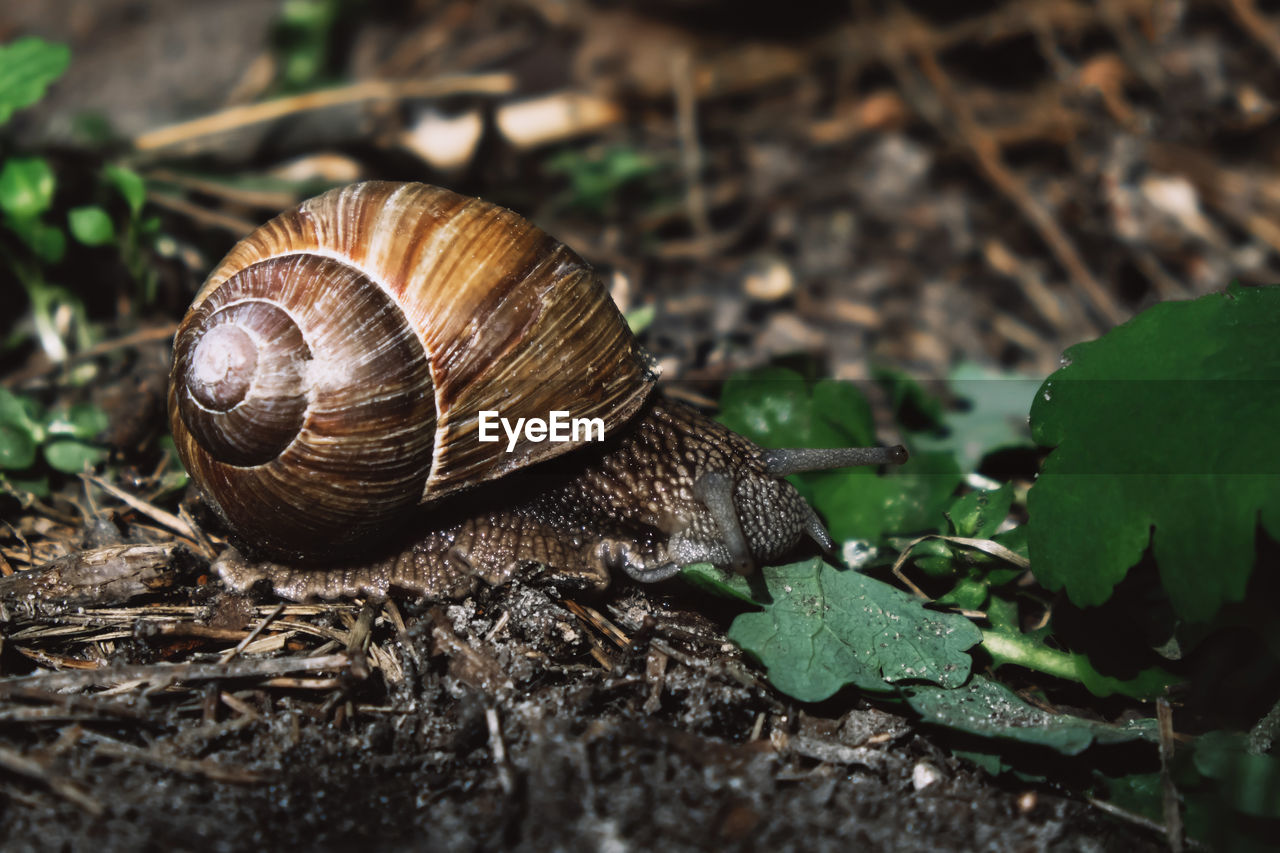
[(337, 382)]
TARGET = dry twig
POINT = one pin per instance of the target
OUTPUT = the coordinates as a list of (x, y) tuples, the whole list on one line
[(160, 675), (16, 762), (236, 118)]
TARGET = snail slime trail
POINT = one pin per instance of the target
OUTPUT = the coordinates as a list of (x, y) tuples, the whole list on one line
[(439, 307), (559, 427)]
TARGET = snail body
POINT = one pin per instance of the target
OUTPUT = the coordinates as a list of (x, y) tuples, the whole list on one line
[(327, 392)]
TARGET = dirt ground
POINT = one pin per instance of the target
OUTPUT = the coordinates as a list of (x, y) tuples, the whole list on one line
[(524, 741), (910, 185)]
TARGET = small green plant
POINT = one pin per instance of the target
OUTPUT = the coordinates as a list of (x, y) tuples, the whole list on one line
[(140, 231), (1164, 456), (305, 34), (26, 195), (33, 441), (598, 175), (34, 236), (27, 67)]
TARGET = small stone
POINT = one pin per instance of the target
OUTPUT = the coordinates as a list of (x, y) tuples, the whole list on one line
[(769, 279), (925, 775)]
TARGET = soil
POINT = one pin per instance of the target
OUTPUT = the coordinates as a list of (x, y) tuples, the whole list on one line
[(908, 185), (449, 735)]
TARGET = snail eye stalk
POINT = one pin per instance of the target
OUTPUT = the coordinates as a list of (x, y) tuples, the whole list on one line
[(795, 460)]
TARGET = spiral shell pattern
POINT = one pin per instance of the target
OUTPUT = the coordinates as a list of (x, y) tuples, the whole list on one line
[(329, 376)]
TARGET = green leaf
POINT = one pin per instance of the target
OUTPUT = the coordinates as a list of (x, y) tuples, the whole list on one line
[(821, 629), (1149, 683), (858, 504), (92, 130), (130, 185), (305, 30), (27, 67), (24, 487), (989, 709), (1249, 783), (26, 187), (988, 761), (596, 176), (47, 241), (769, 406), (1207, 816), (983, 573), (967, 594), (776, 407), (976, 515), (840, 416), (17, 447), (933, 556), (639, 319), (994, 416), (71, 457), (913, 407), (91, 225), (1165, 435), (707, 577), (980, 513), (1015, 540), (83, 421), (21, 412), (1007, 644), (14, 409), (1140, 793)]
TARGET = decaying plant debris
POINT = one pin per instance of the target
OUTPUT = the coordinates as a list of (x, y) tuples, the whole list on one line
[(910, 183), (511, 717)]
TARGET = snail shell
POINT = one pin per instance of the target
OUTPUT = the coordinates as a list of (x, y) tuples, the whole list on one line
[(330, 373)]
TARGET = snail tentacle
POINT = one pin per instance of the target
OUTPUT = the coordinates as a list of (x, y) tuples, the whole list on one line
[(817, 531), (785, 461), (782, 462), (715, 490)]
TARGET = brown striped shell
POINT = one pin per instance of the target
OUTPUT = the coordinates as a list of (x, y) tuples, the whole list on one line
[(330, 374)]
